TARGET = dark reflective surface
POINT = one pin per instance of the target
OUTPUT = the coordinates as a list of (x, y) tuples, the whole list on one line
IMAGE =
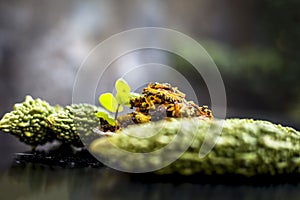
[(73, 175)]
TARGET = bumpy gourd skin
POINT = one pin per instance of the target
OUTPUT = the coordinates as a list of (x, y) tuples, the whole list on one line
[(74, 124), (28, 121), (247, 147), (35, 122)]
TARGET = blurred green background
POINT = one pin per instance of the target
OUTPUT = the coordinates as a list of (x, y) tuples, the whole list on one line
[(254, 43)]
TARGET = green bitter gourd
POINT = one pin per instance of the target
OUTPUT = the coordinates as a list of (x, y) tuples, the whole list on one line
[(245, 146), (35, 122), (74, 124), (28, 121)]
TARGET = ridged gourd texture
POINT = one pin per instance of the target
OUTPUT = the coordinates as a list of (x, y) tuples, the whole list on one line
[(35, 122), (28, 121), (244, 146), (74, 124), (247, 147)]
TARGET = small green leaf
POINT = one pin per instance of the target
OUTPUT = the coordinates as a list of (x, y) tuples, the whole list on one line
[(107, 117), (122, 86), (123, 98), (123, 92), (109, 102)]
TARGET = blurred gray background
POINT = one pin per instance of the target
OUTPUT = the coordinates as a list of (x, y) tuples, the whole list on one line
[(255, 45)]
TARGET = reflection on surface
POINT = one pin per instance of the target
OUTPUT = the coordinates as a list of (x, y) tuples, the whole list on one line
[(35, 181)]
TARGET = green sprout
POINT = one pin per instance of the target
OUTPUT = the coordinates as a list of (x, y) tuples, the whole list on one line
[(115, 104), (106, 116)]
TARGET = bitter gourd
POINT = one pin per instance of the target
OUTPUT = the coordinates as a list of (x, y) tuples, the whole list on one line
[(245, 146), (28, 121), (35, 122), (74, 124)]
